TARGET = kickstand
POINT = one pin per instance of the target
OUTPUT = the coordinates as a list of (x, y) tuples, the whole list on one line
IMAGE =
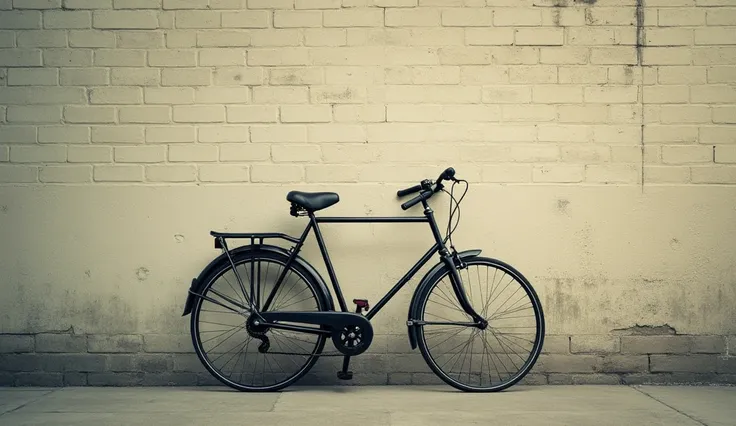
[(344, 374)]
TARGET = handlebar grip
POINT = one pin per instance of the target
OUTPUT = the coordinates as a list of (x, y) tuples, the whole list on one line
[(408, 191), (423, 196)]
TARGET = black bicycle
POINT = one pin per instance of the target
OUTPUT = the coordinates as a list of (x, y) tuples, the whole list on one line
[(261, 314)]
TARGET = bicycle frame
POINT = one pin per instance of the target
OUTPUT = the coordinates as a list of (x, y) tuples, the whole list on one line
[(314, 221)]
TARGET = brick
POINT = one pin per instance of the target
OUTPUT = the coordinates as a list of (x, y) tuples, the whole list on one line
[(621, 364), (75, 379), (714, 36), (727, 365), (565, 55), (297, 19), (244, 152), (124, 19), (169, 95), (558, 173), (88, 4), (119, 343), (680, 17), (280, 95), (594, 344), (223, 134), (246, 19), (295, 76), (687, 154), (37, 4), (46, 38), (278, 133), (684, 363), (170, 134), (666, 174), (367, 55), (489, 36), (681, 75), (75, 20), (186, 77), (4, 154), (18, 174), (713, 94), (359, 76), (430, 94), (34, 114), (172, 58), (20, 362), (65, 174), (275, 37), (236, 76), (39, 379), (722, 74), (92, 38), (21, 19), (655, 344), (197, 19), (425, 17), (414, 113), (669, 134), (252, 114), (539, 37), (471, 113), (140, 154), (223, 173), (563, 133), (666, 56), (117, 134), (722, 16), (350, 153), (119, 58), (325, 37), (484, 75), (317, 4), (611, 94), (32, 77), (473, 55), (16, 343), (590, 36), (585, 154), (554, 94), (199, 114), (516, 17), (358, 17), (710, 174), (217, 38), (533, 74), (89, 114), (63, 134), (673, 37), (679, 114), (322, 133), (7, 39), (140, 40), (17, 134), (38, 154), (278, 57), (185, 4), (199, 153), (537, 113), (708, 344), (296, 153), (724, 114), (89, 154), (359, 113), (221, 95), (137, 4), (614, 173), (67, 57), (61, 343), (170, 173), (135, 77), (466, 17), (613, 55), (221, 57), (331, 173), (20, 58), (718, 134), (554, 363), (506, 173), (116, 95), (306, 114), (276, 173)]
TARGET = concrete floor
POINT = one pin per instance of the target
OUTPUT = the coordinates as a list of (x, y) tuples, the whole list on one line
[(368, 406)]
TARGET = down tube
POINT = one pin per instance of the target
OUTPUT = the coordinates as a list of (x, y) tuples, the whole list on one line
[(417, 266)]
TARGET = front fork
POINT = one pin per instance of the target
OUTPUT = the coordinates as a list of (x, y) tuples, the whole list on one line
[(457, 286)]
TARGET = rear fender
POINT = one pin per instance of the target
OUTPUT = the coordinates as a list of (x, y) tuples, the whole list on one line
[(438, 270), (198, 283)]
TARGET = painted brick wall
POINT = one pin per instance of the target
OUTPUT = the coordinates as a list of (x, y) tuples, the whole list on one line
[(98, 94)]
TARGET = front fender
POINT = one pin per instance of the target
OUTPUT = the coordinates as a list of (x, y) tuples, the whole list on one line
[(428, 278), (198, 283)]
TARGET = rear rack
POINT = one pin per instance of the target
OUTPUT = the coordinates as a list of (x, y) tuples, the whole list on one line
[(221, 236)]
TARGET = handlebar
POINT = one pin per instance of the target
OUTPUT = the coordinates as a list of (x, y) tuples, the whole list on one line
[(426, 188)]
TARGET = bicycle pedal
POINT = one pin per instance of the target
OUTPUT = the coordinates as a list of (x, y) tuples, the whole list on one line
[(345, 375), (361, 304)]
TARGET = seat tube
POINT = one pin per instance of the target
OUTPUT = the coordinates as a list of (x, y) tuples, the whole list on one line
[(449, 262)]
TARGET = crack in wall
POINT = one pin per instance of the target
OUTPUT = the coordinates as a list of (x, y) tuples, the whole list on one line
[(640, 40)]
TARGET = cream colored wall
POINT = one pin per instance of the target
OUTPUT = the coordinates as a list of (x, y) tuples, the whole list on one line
[(598, 138)]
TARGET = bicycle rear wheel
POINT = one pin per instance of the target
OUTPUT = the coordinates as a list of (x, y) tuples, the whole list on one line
[(239, 353), (488, 360)]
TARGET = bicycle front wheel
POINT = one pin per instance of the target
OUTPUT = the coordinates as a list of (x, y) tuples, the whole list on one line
[(481, 360)]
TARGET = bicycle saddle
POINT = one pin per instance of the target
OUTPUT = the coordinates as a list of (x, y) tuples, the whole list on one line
[(313, 201)]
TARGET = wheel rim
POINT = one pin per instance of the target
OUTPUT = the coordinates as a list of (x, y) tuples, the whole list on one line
[(228, 344), (489, 359)]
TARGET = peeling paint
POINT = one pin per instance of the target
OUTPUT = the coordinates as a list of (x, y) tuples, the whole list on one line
[(562, 205), (179, 238), (142, 273)]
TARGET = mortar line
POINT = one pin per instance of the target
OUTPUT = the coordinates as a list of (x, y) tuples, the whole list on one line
[(29, 402), (671, 407)]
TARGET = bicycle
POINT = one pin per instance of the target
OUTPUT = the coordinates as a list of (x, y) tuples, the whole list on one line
[(262, 322)]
